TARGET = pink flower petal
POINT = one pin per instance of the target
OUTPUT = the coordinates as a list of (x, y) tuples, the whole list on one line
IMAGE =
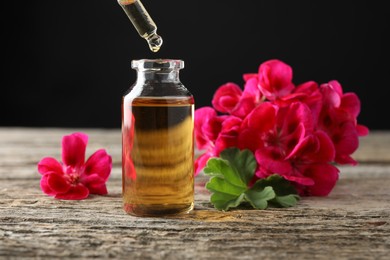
[(98, 189), (313, 97), (100, 163), (273, 160), (57, 183), (275, 79), (45, 186), (289, 99), (325, 177), (248, 100), (92, 179), (262, 118), (228, 136), (308, 87), (299, 179), (95, 184), (249, 138), (307, 93), (346, 139), (49, 164), (224, 141), (82, 136), (251, 89), (202, 117), (298, 113), (226, 97), (77, 192), (330, 97), (362, 130), (336, 86), (261, 173), (201, 162), (351, 103), (345, 159), (297, 143), (248, 76), (326, 152), (315, 148), (244, 107), (73, 149)]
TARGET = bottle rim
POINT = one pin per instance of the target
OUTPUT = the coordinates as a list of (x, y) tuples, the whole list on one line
[(145, 64)]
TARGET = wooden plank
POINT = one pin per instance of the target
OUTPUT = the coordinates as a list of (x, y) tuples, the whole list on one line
[(374, 148), (351, 223), (21, 147)]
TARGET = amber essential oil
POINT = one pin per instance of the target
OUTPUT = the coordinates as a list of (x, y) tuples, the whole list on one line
[(158, 155)]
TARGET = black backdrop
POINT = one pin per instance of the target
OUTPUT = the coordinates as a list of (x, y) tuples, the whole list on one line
[(67, 63)]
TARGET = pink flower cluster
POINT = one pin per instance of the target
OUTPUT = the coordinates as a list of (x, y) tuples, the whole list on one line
[(75, 179), (299, 132)]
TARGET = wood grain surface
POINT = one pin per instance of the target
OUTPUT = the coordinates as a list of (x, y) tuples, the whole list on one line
[(353, 222)]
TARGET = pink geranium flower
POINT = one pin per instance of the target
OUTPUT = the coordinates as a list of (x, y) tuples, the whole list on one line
[(299, 132), (338, 118), (229, 98), (275, 79), (74, 178)]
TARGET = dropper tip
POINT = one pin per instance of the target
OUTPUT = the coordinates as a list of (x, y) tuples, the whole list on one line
[(155, 41)]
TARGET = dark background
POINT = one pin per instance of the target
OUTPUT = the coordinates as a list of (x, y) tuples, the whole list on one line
[(67, 63)]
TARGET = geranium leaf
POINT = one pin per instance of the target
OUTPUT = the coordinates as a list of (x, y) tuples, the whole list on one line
[(281, 185), (230, 176), (222, 201), (220, 168), (243, 161), (286, 201), (223, 186), (259, 199), (226, 184), (285, 193)]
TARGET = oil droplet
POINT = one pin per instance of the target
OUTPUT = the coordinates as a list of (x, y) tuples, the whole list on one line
[(155, 41)]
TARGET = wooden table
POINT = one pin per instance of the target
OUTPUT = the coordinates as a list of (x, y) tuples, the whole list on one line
[(351, 223)]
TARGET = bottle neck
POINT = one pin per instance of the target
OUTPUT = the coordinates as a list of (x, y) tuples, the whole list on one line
[(158, 76)]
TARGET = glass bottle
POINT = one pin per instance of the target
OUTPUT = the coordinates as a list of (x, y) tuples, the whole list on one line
[(157, 141)]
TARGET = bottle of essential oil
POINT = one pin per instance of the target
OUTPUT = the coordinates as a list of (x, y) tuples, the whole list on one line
[(157, 141)]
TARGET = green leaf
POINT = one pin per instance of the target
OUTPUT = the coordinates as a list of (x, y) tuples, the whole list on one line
[(221, 169), (242, 161), (225, 184), (259, 199), (285, 193), (281, 185), (229, 178), (224, 202), (286, 201)]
